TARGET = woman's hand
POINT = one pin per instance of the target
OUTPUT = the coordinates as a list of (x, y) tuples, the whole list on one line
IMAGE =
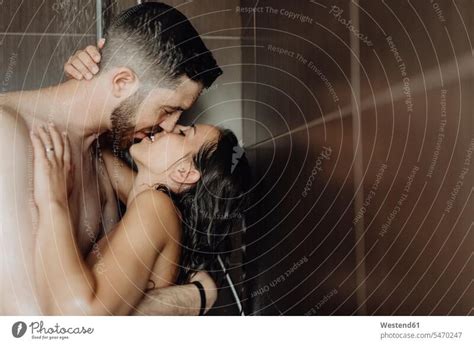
[(53, 172), (83, 64)]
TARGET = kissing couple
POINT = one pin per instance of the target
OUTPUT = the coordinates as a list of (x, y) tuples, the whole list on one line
[(68, 249)]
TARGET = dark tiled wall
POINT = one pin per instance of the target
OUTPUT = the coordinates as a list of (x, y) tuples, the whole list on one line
[(301, 252), (382, 224), (36, 38), (423, 132)]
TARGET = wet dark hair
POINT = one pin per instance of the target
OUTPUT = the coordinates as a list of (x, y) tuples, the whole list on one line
[(213, 206), (160, 45)]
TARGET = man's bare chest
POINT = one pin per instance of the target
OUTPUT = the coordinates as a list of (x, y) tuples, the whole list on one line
[(86, 202)]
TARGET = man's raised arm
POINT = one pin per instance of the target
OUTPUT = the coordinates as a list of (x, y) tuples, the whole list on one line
[(179, 299)]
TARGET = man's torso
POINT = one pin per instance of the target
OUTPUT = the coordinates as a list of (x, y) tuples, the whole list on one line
[(86, 203)]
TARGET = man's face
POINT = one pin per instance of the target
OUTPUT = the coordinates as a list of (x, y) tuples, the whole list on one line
[(139, 115)]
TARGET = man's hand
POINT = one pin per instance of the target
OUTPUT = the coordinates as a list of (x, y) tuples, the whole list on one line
[(84, 63), (209, 287), (179, 299)]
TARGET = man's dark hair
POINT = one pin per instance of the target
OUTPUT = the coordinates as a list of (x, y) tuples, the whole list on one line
[(160, 45)]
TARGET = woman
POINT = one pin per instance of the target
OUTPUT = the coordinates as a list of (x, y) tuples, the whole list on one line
[(180, 207)]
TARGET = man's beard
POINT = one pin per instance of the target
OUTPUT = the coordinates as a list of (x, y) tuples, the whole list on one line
[(123, 122)]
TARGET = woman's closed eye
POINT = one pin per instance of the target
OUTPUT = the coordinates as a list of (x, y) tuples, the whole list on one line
[(168, 112), (181, 132)]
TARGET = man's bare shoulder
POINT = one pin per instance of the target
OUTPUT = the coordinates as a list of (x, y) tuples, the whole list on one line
[(14, 141), (12, 126)]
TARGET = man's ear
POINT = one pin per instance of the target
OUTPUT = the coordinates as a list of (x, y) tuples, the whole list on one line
[(185, 173), (124, 82)]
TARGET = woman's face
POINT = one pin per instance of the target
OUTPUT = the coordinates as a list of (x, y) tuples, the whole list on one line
[(161, 154)]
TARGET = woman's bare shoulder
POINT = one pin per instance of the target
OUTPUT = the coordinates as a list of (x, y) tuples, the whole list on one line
[(158, 210), (154, 196)]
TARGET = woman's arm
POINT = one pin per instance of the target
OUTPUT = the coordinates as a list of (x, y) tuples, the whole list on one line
[(121, 176), (115, 284), (123, 261)]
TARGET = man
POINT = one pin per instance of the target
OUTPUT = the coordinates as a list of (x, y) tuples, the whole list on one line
[(153, 67)]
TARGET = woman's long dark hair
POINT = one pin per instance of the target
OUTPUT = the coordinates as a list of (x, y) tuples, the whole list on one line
[(212, 207)]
